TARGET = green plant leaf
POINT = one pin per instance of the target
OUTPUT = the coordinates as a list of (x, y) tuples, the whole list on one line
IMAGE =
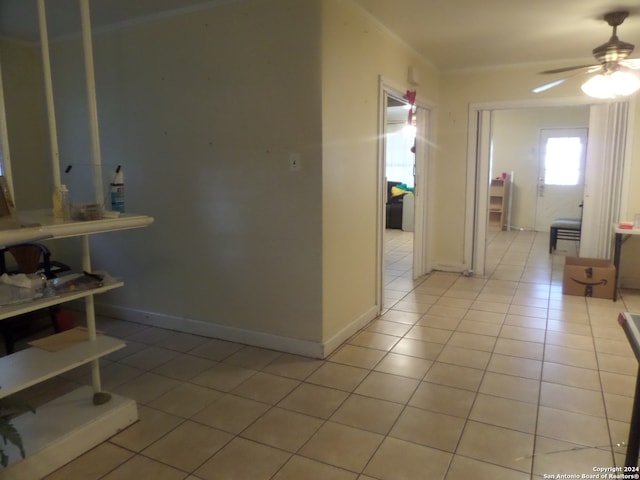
[(9, 434), (10, 406)]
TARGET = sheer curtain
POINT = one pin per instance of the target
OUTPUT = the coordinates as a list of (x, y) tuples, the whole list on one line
[(603, 177)]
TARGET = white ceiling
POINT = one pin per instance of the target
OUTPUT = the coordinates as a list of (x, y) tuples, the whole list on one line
[(451, 34)]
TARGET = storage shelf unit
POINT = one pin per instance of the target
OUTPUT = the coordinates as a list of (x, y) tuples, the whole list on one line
[(500, 203), (69, 426), (33, 365)]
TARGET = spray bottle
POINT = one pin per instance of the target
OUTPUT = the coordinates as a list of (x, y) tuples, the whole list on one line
[(117, 191)]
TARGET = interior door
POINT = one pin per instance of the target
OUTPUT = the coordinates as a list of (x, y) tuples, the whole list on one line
[(561, 175)]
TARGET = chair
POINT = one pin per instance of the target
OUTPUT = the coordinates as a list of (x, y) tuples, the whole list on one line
[(564, 229), (27, 258)]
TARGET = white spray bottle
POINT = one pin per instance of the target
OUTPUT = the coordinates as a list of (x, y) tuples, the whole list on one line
[(117, 191)]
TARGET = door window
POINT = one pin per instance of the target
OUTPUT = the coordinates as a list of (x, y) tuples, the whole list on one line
[(563, 159)]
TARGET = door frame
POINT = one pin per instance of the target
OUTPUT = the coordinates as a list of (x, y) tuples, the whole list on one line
[(422, 239), (478, 160)]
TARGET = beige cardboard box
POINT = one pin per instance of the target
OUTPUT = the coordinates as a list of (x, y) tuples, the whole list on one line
[(588, 277)]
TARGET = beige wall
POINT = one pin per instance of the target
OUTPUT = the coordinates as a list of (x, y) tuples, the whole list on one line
[(516, 141), (355, 52), (202, 110)]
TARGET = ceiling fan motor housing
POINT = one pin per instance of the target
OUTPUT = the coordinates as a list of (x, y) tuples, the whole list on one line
[(615, 49)]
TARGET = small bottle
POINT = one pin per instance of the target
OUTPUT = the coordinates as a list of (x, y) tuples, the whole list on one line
[(61, 203), (64, 200), (117, 191)]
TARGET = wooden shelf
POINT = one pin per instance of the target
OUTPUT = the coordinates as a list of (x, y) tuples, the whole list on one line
[(28, 367)]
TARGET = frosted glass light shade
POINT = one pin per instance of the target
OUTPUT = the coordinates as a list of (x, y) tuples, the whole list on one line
[(611, 85)]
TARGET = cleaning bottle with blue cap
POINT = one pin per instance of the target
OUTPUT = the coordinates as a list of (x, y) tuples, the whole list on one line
[(117, 191)]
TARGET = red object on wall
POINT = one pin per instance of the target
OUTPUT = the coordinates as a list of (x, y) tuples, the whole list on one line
[(411, 98)]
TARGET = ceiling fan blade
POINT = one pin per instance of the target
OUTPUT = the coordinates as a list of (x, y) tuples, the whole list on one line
[(547, 86), (633, 63), (590, 69), (567, 69)]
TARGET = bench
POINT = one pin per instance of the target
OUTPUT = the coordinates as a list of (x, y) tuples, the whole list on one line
[(564, 229)]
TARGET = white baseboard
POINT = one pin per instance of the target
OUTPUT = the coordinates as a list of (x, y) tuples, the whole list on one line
[(448, 267), (346, 333), (630, 282), (249, 337)]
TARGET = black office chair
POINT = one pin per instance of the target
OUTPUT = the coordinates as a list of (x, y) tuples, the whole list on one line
[(28, 258)]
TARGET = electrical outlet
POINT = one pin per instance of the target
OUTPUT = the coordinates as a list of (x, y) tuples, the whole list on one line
[(294, 162)]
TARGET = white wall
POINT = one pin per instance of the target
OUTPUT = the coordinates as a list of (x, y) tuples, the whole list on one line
[(516, 139)]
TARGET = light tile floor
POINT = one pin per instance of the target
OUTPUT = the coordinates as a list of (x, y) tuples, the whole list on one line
[(500, 378)]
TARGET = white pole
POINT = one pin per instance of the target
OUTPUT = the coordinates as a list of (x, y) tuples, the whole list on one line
[(48, 89), (91, 101)]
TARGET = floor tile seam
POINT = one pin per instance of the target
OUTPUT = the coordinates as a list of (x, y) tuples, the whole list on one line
[(535, 379), (496, 465), (120, 465), (602, 391), (244, 436), (433, 447), (502, 397), (578, 412), (471, 407), (142, 453), (577, 446), (539, 396)]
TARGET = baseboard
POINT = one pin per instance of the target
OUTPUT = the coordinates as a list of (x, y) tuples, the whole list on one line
[(630, 282), (448, 267), (346, 333), (248, 337), (213, 330)]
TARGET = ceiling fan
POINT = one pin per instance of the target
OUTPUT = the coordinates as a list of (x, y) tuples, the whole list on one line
[(614, 66)]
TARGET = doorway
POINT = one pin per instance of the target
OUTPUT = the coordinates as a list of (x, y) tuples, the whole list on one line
[(607, 132), (400, 167), (415, 217)]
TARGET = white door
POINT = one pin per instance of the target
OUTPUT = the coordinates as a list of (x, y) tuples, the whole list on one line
[(561, 175)]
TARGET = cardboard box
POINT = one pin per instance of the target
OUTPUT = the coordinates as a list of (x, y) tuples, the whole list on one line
[(588, 277)]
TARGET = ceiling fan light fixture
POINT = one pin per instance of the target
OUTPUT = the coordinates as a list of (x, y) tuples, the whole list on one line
[(611, 85)]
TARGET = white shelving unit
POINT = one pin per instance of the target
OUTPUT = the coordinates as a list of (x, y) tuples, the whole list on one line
[(70, 425)]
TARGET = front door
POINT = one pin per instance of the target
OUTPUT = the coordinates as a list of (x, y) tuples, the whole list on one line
[(561, 175)]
